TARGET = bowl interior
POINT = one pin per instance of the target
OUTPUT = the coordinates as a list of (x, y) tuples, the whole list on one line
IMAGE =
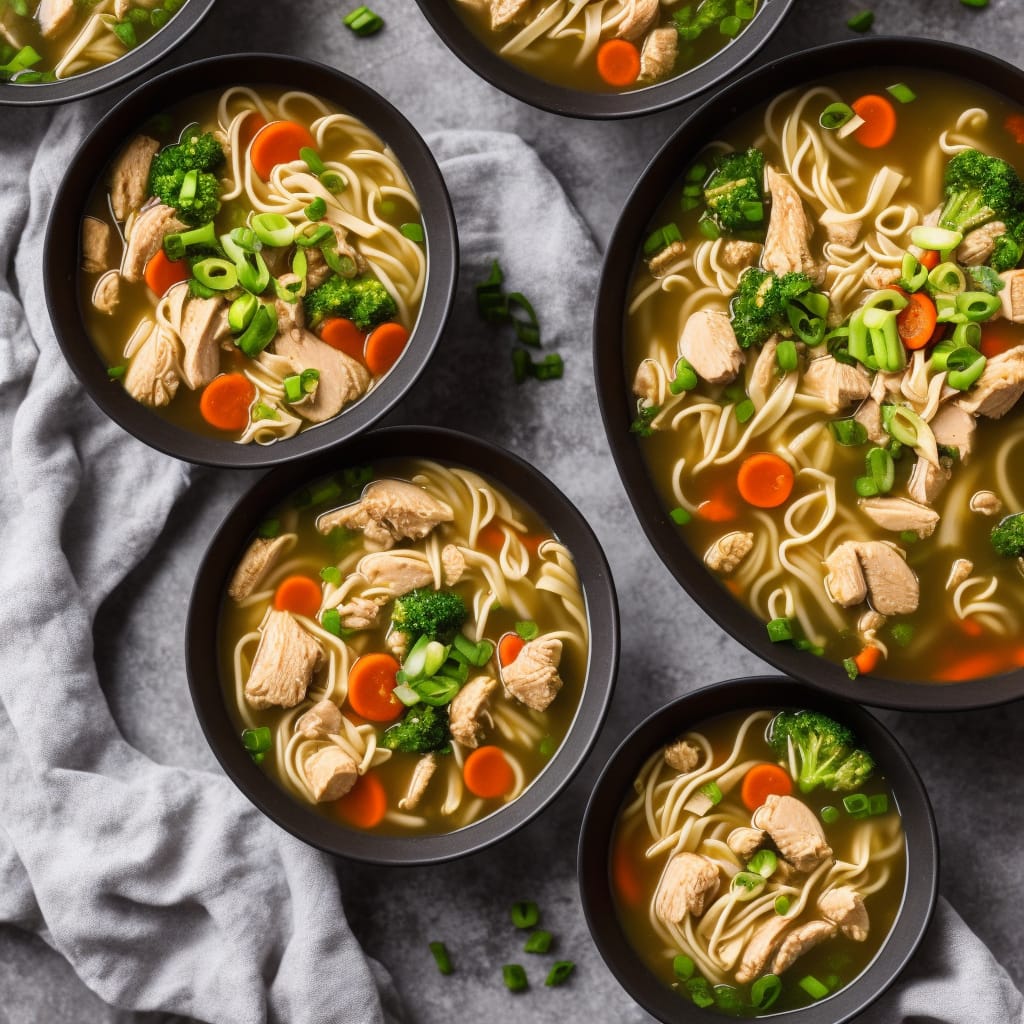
[(687, 712)]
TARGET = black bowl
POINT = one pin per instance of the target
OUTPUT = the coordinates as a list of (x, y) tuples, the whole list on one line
[(687, 712), (61, 254), (227, 546), (614, 382), (175, 32), (504, 75)]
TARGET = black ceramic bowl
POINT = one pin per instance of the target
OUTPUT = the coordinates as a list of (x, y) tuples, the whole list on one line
[(504, 75), (665, 725), (62, 248), (89, 82), (614, 381), (227, 546)]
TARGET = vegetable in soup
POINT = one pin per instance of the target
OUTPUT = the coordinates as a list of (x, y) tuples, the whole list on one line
[(826, 336), (404, 646)]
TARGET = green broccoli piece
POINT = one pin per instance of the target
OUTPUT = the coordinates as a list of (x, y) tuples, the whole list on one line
[(437, 614), (758, 309), (187, 167), (423, 729), (364, 301), (826, 752), (1008, 536), (1009, 248), (690, 25), (733, 194)]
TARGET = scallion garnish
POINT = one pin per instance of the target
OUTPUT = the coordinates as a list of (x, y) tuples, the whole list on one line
[(685, 378), (117, 372), (683, 967), (660, 239), (292, 388), (835, 115), (312, 160), (780, 629), (333, 181), (262, 411), (257, 742), (680, 516), (331, 621), (546, 747), (712, 791), (878, 804), (857, 805), (363, 21), (538, 942), (125, 31), (414, 232), (269, 529), (316, 209), (525, 914), (861, 21), (260, 332), (851, 668), (813, 987), (550, 367), (528, 629), (441, 958), (786, 356), (559, 972), (514, 977), (830, 814), (729, 25), (331, 574), (765, 991), (901, 93), (744, 411), (782, 905), (763, 863)]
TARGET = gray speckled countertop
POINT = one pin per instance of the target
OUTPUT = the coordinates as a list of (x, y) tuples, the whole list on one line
[(968, 761)]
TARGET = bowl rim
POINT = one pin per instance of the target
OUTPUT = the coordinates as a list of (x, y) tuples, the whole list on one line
[(666, 723), (613, 384), (525, 483), (88, 83), (60, 254), (556, 99)]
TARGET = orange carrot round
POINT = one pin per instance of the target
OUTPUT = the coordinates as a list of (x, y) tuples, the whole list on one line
[(765, 480), (371, 681), (298, 594), (868, 659), (162, 273), (509, 647), (250, 128), (716, 510), (278, 143), (225, 401), (365, 804), (343, 335), (929, 259), (763, 781), (916, 321), (383, 347), (1014, 124), (487, 773), (879, 120), (618, 62)]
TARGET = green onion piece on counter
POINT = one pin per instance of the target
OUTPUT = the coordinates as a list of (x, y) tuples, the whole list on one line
[(269, 529), (528, 629), (527, 326), (117, 372), (683, 967), (849, 432), (680, 516), (830, 814), (525, 914), (414, 232), (861, 21), (312, 160), (441, 958), (780, 629), (813, 987), (763, 863), (851, 668), (699, 991), (878, 804), (901, 93), (331, 574), (216, 273), (331, 621), (765, 991), (538, 942), (241, 312), (746, 885), (857, 805), (262, 411), (363, 21), (316, 209), (514, 977), (974, 3), (781, 905), (260, 332), (685, 379), (333, 181), (785, 354), (744, 411), (835, 115)]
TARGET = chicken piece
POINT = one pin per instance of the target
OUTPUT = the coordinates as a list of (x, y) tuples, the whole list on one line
[(147, 236), (765, 373), (760, 948), (398, 573), (845, 583), (152, 376), (398, 643), (978, 244), (504, 12), (927, 481), (999, 386), (869, 416), (802, 938), (745, 842), (899, 514), (794, 828), (284, 664), (727, 552), (959, 571), (879, 277), (640, 16), (660, 264), (1012, 295), (389, 511), (839, 228), (787, 245), (886, 385), (986, 503), (838, 384), (289, 314), (533, 677), (709, 345), (96, 239), (453, 564), (342, 378), (658, 55), (129, 177), (682, 756), (202, 327), (954, 428), (844, 906), (322, 719), (421, 776), (359, 613), (55, 17), (647, 384), (260, 557), (330, 773), (893, 587), (107, 293), (870, 621), (687, 885), (469, 711), (739, 254)]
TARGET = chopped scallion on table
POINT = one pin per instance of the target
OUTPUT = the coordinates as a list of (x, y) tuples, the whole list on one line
[(441, 958), (525, 914), (514, 977), (363, 21)]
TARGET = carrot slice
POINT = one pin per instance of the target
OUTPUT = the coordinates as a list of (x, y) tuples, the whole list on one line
[(627, 882), (879, 120), (763, 781), (383, 347), (370, 683), (995, 342), (343, 335), (487, 773), (365, 804), (509, 647), (984, 663), (764, 480), (162, 273), (916, 321), (1014, 124), (298, 594), (250, 128), (929, 259), (716, 510), (491, 536), (278, 143), (868, 659), (225, 401), (618, 62)]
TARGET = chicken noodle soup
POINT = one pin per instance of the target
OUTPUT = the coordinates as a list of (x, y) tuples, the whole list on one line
[(760, 863), (253, 264), (607, 45), (404, 646), (47, 40), (826, 335)]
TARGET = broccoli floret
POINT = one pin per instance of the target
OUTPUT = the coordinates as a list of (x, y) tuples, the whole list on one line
[(979, 189), (437, 614), (733, 194), (826, 752), (423, 729), (1008, 536), (690, 25), (364, 301), (197, 152), (1009, 248), (758, 309)]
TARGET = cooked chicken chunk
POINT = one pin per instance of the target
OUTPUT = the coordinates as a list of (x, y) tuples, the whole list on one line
[(999, 386), (802, 938), (926, 481), (658, 56), (765, 373), (794, 828), (453, 564), (745, 842), (709, 345), (760, 948), (533, 677), (954, 428), (468, 713), (838, 384), (959, 571), (661, 263), (421, 776), (330, 773), (55, 17), (839, 228), (869, 416), (284, 664), (648, 383), (342, 378), (682, 756), (107, 293), (727, 552), (1012, 295), (886, 385), (787, 245), (639, 18), (504, 12), (845, 583), (147, 235), (359, 613), (129, 177), (978, 244), (881, 277), (389, 511), (318, 270), (96, 239), (986, 503), (398, 573), (260, 557), (322, 719), (688, 883), (152, 376), (893, 586), (844, 906), (204, 323), (398, 643), (739, 254), (900, 514)]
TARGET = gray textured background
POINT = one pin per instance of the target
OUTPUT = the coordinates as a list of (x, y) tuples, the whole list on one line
[(969, 761)]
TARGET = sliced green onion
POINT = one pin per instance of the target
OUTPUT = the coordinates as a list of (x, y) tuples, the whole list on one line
[(901, 93), (333, 181), (364, 22), (881, 468), (414, 232), (830, 814), (316, 209), (908, 537), (913, 273), (696, 173), (765, 991), (292, 388), (763, 863), (406, 694), (785, 353), (257, 742), (305, 238), (965, 366), (966, 334), (947, 278), (525, 914), (259, 334), (974, 3), (441, 958), (538, 942), (728, 999), (745, 9), (117, 372), (680, 516), (312, 160), (23, 59), (729, 25), (241, 312), (262, 411), (902, 423), (902, 633), (269, 529), (708, 228), (343, 266), (813, 987), (857, 805), (745, 885), (125, 31), (712, 791), (978, 306), (310, 381), (331, 574), (661, 239), (744, 411), (526, 326), (215, 273), (878, 804), (331, 621), (865, 487), (273, 229), (939, 239), (861, 21), (528, 629), (780, 629), (436, 691), (546, 747), (685, 379), (849, 432), (700, 991), (835, 115), (782, 905), (683, 967)]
